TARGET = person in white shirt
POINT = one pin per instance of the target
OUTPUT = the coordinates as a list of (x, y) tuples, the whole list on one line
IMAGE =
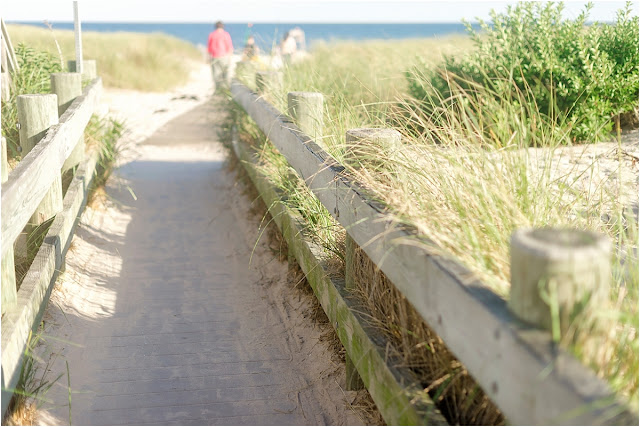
[(288, 48)]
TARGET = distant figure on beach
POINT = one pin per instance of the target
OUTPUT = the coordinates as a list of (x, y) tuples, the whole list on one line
[(220, 50), (298, 36), (250, 49), (248, 32), (288, 47)]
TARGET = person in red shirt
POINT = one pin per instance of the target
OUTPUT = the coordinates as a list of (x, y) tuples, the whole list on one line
[(220, 49)]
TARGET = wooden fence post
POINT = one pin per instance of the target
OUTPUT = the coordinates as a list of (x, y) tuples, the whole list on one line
[(368, 143), (307, 111), (89, 69), (362, 142), (557, 274), (267, 81), (68, 86), (9, 291), (36, 114)]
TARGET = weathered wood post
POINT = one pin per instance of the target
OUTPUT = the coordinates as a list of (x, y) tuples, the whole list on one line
[(9, 291), (558, 274), (364, 146), (36, 114), (267, 81), (307, 111), (68, 86), (6, 77), (89, 69), (360, 142)]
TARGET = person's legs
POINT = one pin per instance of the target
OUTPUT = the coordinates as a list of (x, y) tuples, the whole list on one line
[(228, 71), (217, 72), (222, 71)]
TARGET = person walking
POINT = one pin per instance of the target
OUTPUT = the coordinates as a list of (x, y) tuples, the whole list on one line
[(288, 48), (251, 50), (220, 49)]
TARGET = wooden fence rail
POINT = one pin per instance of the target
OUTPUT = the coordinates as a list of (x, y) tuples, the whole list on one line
[(8, 62), (528, 377), (22, 194), (31, 179)]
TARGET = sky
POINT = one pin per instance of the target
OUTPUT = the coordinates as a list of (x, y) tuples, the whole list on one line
[(294, 11)]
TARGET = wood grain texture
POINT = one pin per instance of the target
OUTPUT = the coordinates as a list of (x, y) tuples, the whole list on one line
[(8, 280), (558, 270), (530, 379), (68, 86), (34, 175), (36, 114), (36, 287), (12, 62), (89, 69), (307, 111)]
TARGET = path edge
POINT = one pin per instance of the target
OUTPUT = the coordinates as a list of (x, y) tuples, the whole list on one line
[(34, 293), (397, 392)]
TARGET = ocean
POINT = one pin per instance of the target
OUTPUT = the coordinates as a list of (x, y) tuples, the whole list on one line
[(266, 34)]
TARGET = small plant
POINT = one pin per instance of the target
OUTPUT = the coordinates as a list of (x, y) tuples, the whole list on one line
[(33, 77), (105, 134), (32, 386)]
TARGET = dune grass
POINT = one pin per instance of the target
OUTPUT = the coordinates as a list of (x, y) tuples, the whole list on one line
[(466, 179), (146, 62)]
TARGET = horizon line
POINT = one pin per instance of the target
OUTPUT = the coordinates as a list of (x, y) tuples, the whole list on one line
[(12, 21), (265, 22)]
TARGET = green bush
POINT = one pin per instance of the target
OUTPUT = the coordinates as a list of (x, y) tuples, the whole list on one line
[(578, 74)]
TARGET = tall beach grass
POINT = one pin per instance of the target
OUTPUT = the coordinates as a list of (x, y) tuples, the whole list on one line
[(466, 178)]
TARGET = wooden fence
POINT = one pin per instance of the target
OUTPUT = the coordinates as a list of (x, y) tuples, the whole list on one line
[(52, 144), (525, 374), (8, 61)]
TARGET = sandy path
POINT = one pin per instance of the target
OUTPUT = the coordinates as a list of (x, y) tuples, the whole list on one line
[(161, 315)]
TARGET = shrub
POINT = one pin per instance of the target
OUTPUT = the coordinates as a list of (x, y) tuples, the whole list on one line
[(581, 75)]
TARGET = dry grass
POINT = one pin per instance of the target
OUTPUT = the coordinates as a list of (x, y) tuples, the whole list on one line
[(33, 384), (465, 179), (23, 415), (449, 384), (362, 404)]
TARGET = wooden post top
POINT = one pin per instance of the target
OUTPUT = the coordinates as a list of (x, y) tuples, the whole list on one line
[(36, 114), (67, 86), (373, 134), (295, 94), (559, 276), (561, 242)]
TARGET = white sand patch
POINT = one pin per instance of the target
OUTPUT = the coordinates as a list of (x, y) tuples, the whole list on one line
[(143, 113)]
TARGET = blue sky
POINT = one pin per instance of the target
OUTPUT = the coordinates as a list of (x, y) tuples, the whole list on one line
[(296, 11)]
